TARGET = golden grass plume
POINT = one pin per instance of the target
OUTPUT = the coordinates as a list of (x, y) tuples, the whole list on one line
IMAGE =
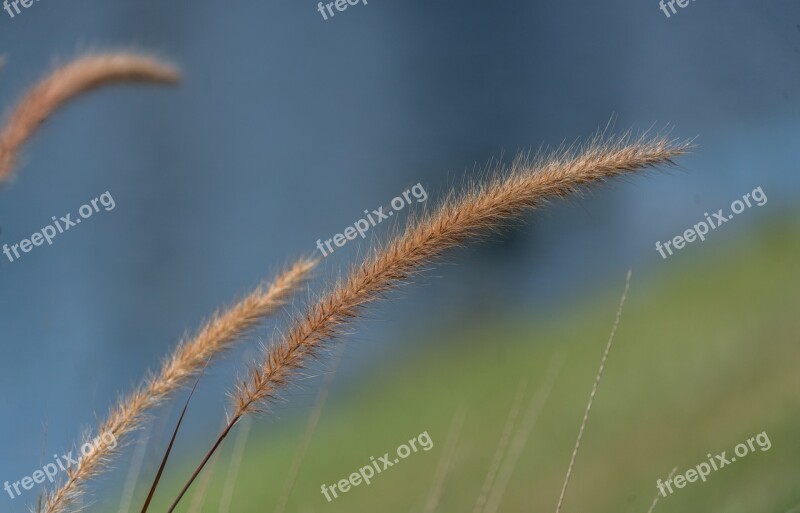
[(188, 359), (65, 83), (482, 209)]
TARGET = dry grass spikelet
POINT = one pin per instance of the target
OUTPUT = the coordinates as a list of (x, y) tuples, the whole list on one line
[(482, 209), (187, 360), (80, 76)]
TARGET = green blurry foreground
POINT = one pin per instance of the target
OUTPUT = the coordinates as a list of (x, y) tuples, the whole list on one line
[(706, 356)]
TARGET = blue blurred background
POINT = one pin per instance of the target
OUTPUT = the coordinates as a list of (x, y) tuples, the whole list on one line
[(286, 127)]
